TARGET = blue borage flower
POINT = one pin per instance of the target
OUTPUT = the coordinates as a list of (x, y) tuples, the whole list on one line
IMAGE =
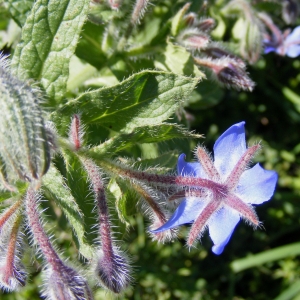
[(287, 44), (234, 188)]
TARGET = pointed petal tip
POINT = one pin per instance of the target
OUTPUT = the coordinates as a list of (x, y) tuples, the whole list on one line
[(217, 249)]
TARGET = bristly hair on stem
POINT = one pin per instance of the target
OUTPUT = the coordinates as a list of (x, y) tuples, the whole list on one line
[(12, 272), (112, 267), (62, 281)]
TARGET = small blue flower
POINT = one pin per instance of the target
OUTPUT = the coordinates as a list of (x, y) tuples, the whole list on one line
[(285, 44), (228, 197)]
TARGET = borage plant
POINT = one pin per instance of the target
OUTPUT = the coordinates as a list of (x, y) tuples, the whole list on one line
[(73, 152)]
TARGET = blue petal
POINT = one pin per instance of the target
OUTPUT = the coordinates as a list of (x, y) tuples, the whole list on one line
[(221, 227), (186, 212), (294, 37), (229, 148), (189, 169), (269, 49), (257, 185), (293, 51)]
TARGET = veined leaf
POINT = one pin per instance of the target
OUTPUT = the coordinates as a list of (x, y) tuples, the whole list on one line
[(177, 60), (19, 9), (55, 189), (144, 99), (49, 39), (144, 134)]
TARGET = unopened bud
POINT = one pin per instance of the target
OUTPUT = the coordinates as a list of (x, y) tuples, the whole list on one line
[(113, 270), (76, 132), (62, 282), (193, 39), (290, 11), (115, 4), (206, 25), (65, 284), (24, 148), (227, 72), (214, 50), (138, 11), (190, 19)]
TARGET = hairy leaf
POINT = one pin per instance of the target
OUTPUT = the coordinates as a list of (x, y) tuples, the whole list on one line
[(49, 38), (144, 99), (19, 9), (144, 134)]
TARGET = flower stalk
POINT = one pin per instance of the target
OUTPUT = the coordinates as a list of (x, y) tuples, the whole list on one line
[(112, 268)]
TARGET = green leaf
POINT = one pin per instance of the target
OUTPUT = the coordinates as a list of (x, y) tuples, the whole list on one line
[(177, 20), (292, 291), (55, 189), (126, 199), (207, 94), (89, 46), (145, 134), (160, 164), (177, 60), (19, 9), (264, 257), (144, 99), (49, 39)]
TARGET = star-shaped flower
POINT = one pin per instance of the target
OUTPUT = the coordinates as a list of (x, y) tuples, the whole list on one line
[(286, 43), (228, 197)]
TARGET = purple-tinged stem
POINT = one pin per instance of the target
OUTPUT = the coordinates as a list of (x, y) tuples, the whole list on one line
[(104, 223), (166, 180), (152, 203), (189, 193), (10, 270), (112, 268), (8, 213), (39, 233)]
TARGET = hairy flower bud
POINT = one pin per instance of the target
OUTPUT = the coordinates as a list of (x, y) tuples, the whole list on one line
[(65, 284), (112, 267), (193, 39), (138, 10), (76, 132), (24, 149), (227, 72), (217, 50), (62, 282), (113, 270), (115, 4), (290, 11), (206, 25)]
